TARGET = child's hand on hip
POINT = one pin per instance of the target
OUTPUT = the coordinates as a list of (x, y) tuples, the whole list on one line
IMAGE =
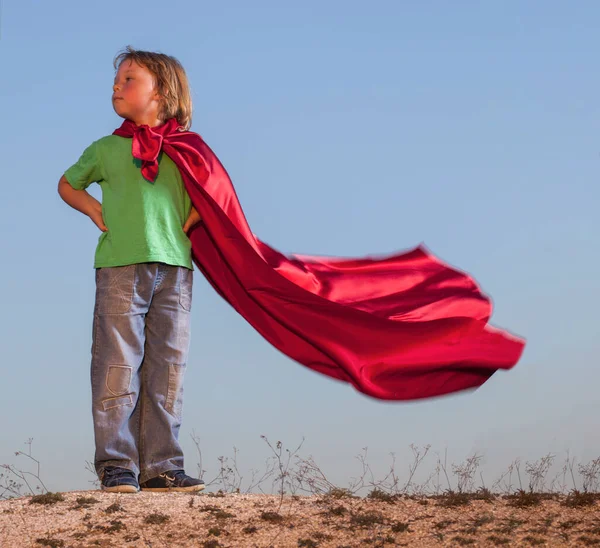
[(95, 214), (193, 219), (81, 201)]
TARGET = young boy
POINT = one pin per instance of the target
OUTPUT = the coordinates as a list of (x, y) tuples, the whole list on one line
[(144, 274)]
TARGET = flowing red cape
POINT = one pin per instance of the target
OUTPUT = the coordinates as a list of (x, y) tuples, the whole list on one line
[(402, 327)]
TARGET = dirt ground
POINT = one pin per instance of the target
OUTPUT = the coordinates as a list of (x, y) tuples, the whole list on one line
[(93, 518)]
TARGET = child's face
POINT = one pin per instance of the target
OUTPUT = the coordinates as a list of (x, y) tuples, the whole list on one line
[(134, 94)]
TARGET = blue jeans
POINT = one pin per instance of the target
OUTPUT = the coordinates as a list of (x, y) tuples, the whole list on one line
[(141, 338)]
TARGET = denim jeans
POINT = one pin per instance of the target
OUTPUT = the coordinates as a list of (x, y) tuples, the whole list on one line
[(141, 337)]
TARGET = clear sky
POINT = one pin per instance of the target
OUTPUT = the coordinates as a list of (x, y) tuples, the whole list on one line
[(348, 129)]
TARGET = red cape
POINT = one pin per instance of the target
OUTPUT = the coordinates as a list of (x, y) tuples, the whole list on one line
[(402, 327)]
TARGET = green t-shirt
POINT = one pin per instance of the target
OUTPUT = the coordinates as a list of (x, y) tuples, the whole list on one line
[(144, 220)]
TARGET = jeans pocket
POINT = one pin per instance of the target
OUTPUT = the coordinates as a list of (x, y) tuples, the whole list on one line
[(186, 281), (118, 379), (114, 289), (174, 400)]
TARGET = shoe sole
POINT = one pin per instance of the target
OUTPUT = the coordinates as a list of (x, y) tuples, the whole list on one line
[(190, 489), (121, 489)]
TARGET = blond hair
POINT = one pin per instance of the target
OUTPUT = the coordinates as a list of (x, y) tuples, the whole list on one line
[(171, 82)]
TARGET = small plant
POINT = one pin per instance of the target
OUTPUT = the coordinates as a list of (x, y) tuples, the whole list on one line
[(463, 541), (577, 499), (13, 479), (483, 493), (534, 541), (542, 530), (273, 517), (569, 524), (483, 520), (335, 511), (509, 525), (214, 531), (444, 523), (339, 493), (591, 474), (47, 498), (85, 502), (307, 543), (400, 527), (451, 499), (222, 514), (367, 519), (51, 542), (115, 507), (249, 529), (465, 472), (217, 512), (381, 496), (156, 519), (524, 499), (212, 543), (537, 471), (379, 541), (114, 527)]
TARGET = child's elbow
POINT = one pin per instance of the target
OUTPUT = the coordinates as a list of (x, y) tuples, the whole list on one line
[(62, 185)]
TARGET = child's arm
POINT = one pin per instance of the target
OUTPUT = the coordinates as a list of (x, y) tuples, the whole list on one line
[(82, 201), (193, 219)]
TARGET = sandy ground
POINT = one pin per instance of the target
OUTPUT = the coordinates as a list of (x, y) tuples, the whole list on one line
[(94, 518)]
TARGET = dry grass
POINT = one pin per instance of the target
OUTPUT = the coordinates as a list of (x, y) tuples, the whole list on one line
[(526, 507), (46, 498)]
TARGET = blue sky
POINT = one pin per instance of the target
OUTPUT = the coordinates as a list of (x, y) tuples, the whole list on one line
[(469, 126)]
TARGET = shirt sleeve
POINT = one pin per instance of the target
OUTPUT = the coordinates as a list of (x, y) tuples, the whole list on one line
[(86, 170)]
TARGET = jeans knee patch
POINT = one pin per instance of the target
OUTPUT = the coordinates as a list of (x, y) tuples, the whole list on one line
[(114, 289), (118, 379), (110, 403), (174, 401)]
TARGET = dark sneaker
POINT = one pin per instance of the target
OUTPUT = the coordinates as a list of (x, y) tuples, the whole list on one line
[(173, 480), (119, 480)]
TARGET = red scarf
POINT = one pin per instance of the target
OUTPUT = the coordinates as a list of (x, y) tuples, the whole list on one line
[(402, 327)]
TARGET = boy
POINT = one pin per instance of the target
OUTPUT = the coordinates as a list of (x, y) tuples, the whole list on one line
[(144, 278)]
